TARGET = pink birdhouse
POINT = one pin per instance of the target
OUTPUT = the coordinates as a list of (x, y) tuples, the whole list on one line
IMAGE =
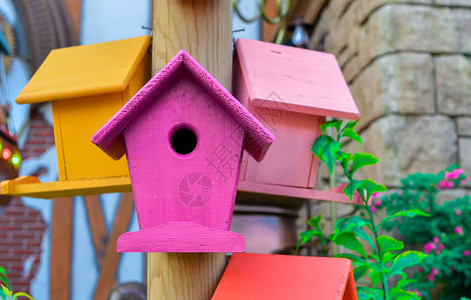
[(291, 91), (183, 135)]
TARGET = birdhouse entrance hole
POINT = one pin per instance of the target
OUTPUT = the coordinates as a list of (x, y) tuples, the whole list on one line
[(183, 141)]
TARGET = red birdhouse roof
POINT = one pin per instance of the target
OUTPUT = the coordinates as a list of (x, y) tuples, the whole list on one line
[(109, 139), (268, 276), (294, 79)]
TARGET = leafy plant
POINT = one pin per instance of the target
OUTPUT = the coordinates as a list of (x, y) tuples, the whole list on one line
[(5, 292), (445, 235), (378, 256)]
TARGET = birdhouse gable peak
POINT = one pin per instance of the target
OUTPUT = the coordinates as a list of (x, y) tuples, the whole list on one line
[(109, 137)]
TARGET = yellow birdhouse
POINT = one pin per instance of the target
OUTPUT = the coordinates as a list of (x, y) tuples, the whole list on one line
[(86, 86)]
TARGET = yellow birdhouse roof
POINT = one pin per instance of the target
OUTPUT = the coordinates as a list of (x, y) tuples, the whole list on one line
[(87, 70)]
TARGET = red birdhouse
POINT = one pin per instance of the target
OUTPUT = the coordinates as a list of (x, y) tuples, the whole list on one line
[(261, 276), (183, 135), (291, 91)]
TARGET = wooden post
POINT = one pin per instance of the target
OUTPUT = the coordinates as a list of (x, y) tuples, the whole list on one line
[(204, 29), (61, 248)]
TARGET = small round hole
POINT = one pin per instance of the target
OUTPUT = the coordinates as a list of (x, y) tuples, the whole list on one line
[(183, 141)]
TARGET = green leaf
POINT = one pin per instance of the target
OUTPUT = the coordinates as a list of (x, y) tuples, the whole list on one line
[(350, 133), (352, 124), (329, 154), (366, 293), (21, 294), (352, 187), (360, 271), (319, 145), (349, 241), (351, 257), (344, 159), (6, 291), (315, 222), (405, 260), (400, 294), (389, 244), (361, 159), (4, 280), (406, 213), (376, 273), (372, 187), (347, 224), (334, 123)]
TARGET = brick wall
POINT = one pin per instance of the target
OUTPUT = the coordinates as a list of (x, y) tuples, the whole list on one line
[(22, 228)]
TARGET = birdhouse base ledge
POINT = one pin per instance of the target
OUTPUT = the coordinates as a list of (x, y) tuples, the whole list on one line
[(181, 237)]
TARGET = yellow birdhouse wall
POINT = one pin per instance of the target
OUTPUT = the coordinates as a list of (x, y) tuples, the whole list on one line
[(86, 86)]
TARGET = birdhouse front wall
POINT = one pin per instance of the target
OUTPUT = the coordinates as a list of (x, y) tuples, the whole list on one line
[(289, 161), (184, 154), (77, 119)]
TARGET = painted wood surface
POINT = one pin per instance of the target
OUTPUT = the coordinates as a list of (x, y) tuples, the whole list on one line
[(30, 186), (294, 79), (262, 276), (201, 27), (183, 276), (61, 249), (290, 90), (197, 186), (87, 85), (181, 237), (334, 195)]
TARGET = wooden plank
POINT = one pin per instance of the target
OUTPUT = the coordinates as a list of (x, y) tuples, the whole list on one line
[(74, 8), (183, 276), (98, 229), (122, 219), (269, 30), (204, 29), (61, 248), (29, 186), (334, 195)]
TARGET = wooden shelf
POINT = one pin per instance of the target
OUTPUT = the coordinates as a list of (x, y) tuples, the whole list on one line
[(30, 186)]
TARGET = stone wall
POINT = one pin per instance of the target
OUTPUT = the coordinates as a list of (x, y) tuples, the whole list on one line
[(408, 65)]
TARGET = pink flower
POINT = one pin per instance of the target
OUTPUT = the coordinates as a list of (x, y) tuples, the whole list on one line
[(466, 253), (459, 230), (375, 195), (373, 209), (458, 212), (429, 247), (432, 274), (417, 292), (379, 203), (443, 184), (440, 249), (435, 239), (455, 174)]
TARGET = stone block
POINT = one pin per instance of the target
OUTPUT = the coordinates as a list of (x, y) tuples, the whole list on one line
[(394, 28), (406, 145), (464, 145), (453, 77), (464, 126), (399, 83)]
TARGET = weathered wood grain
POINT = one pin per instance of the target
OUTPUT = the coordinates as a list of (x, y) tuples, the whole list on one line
[(61, 249), (122, 220)]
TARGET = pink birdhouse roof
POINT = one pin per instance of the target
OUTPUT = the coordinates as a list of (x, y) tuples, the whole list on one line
[(294, 79), (109, 139)]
